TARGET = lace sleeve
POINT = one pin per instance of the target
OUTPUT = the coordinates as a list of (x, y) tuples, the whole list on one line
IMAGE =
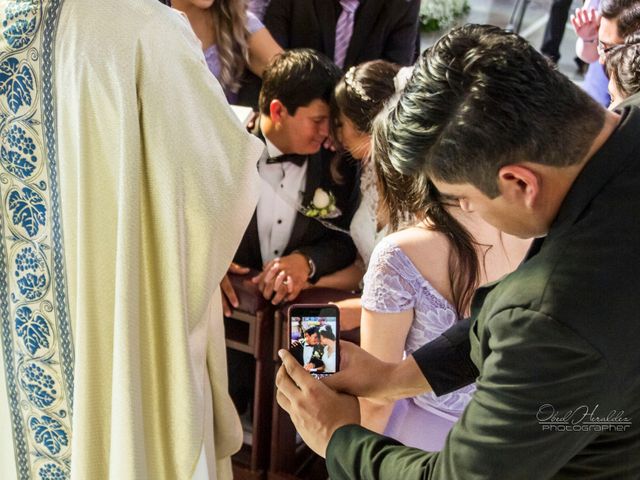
[(389, 284)]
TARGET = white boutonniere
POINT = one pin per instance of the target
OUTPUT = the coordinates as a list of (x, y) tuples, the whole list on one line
[(323, 205)]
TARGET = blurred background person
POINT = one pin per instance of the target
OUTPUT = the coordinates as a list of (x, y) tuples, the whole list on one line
[(554, 31), (258, 8), (348, 31), (623, 68), (233, 39), (601, 25)]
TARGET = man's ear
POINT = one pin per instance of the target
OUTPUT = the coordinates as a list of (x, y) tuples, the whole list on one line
[(518, 183), (277, 111)]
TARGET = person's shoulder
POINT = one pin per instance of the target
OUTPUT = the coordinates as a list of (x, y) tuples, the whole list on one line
[(419, 248), (421, 245), (119, 24), (253, 23), (130, 13)]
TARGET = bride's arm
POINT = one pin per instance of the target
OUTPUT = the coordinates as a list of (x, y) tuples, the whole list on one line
[(383, 335), (346, 279)]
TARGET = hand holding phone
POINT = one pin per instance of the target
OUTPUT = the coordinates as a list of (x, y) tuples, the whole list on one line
[(314, 337)]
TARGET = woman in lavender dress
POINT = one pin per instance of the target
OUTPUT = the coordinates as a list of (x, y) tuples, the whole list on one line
[(232, 39), (419, 282)]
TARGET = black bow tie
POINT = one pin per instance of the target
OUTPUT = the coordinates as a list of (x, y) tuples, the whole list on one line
[(290, 157)]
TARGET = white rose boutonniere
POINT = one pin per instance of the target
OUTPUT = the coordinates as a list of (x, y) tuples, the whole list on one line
[(323, 205)]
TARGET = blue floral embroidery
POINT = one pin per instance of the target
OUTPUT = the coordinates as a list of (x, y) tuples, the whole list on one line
[(32, 286), (51, 471), (18, 153), (20, 23), (33, 329), (37, 347), (31, 273), (16, 83), (40, 387), (29, 210), (50, 433)]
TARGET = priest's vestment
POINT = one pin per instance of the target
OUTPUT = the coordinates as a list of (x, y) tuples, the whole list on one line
[(126, 184)]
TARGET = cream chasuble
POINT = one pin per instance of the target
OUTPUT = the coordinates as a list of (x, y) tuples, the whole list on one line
[(126, 184)]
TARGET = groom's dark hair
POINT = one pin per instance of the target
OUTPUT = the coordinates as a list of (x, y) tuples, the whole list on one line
[(311, 330), (298, 77)]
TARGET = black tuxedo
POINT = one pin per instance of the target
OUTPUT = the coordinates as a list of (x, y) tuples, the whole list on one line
[(316, 357), (383, 29), (329, 249)]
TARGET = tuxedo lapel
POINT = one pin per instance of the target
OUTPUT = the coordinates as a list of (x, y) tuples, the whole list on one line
[(253, 237), (366, 19), (314, 179), (327, 19)]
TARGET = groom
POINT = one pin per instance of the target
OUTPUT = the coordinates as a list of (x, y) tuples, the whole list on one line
[(290, 248)]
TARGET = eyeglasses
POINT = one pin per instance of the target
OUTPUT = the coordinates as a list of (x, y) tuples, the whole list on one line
[(604, 48)]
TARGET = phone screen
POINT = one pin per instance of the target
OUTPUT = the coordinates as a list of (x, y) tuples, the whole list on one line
[(313, 337)]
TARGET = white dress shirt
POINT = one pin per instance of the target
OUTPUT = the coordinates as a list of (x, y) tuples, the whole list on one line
[(307, 353), (280, 194)]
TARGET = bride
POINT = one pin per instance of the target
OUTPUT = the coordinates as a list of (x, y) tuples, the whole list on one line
[(358, 98), (328, 341)]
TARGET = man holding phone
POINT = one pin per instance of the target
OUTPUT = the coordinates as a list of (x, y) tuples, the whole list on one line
[(555, 342)]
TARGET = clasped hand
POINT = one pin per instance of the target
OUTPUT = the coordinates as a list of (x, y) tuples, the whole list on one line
[(283, 278)]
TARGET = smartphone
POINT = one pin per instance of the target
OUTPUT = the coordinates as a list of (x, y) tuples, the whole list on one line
[(314, 332)]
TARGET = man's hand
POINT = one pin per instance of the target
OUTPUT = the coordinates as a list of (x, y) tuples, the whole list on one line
[(316, 410), (586, 22), (363, 375), (229, 297), (283, 278)]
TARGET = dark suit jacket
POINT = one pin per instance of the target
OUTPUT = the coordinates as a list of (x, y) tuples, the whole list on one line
[(329, 249), (558, 334), (383, 29)]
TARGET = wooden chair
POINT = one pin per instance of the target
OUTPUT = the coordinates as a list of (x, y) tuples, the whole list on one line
[(290, 458), (250, 329)]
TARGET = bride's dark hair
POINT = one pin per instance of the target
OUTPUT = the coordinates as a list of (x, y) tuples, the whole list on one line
[(405, 198), (362, 92), (360, 95)]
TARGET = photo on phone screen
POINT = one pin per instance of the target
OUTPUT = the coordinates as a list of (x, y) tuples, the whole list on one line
[(313, 336)]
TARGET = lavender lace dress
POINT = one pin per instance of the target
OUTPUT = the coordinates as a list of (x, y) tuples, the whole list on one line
[(392, 284), (213, 57)]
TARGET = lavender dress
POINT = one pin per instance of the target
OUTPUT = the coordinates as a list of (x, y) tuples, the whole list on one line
[(392, 284), (213, 57)]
